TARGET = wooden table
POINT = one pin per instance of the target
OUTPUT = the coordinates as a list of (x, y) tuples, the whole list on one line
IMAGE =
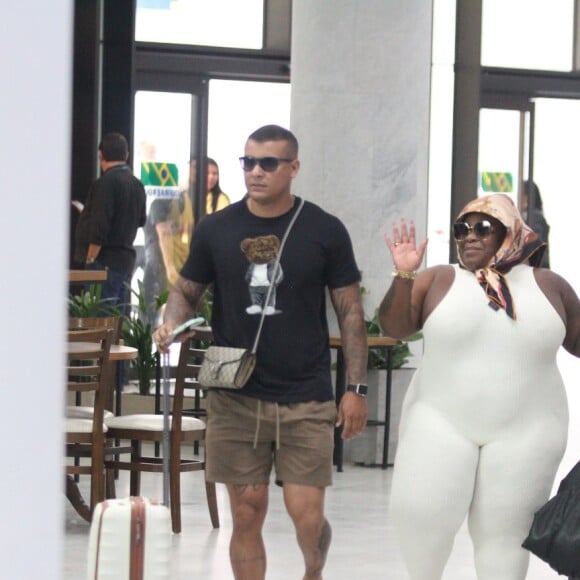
[(86, 276), (374, 342), (118, 352)]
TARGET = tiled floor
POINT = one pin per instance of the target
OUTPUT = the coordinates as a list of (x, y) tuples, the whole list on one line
[(363, 545)]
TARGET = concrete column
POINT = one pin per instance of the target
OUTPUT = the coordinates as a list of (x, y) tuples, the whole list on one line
[(360, 109)]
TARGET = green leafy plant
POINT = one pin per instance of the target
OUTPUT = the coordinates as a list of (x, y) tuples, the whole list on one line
[(90, 303), (400, 353), (137, 332)]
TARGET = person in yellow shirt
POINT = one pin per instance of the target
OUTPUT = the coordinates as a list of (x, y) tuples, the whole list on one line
[(216, 199)]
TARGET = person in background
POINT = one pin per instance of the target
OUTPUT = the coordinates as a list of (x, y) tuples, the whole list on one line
[(533, 214), (107, 226), (216, 199), (285, 415), (485, 420), (167, 237)]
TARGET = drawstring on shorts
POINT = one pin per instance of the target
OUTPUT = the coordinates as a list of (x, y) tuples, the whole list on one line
[(258, 420)]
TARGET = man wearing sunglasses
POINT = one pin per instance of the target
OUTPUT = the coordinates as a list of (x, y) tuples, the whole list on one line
[(284, 417), (485, 420)]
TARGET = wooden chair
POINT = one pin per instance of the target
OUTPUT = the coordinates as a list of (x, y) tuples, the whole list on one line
[(148, 428), (78, 410), (84, 411), (85, 437), (200, 342)]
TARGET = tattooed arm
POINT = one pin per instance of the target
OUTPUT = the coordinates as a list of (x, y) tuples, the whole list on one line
[(183, 303), (352, 410)]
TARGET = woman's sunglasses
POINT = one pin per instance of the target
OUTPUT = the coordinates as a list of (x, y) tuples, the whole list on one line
[(268, 164), (482, 229)]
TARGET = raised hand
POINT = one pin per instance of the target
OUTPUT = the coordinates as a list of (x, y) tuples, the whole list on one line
[(407, 256)]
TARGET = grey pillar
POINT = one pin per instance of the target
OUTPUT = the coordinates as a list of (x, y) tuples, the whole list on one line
[(360, 109)]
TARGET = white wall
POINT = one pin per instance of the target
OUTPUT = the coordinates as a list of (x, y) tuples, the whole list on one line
[(35, 72)]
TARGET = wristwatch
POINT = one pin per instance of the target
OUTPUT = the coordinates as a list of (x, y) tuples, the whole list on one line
[(359, 389)]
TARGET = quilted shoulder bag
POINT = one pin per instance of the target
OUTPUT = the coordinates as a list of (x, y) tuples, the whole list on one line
[(228, 367)]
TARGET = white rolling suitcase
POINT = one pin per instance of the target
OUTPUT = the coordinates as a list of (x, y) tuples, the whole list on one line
[(130, 538)]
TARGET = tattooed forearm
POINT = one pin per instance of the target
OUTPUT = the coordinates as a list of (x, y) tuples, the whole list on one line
[(349, 311), (183, 300), (192, 291)]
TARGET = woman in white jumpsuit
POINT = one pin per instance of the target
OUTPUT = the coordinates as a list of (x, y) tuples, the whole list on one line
[(485, 420)]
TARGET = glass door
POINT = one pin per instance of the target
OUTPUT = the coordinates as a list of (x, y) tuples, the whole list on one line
[(169, 146)]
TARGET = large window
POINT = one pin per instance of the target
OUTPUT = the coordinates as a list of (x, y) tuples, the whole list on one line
[(528, 34), (224, 23)]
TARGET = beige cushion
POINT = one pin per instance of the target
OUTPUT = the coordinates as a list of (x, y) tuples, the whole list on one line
[(80, 426), (74, 412), (151, 422)]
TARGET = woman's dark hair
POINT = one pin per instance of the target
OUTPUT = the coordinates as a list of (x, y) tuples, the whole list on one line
[(216, 189), (533, 193)]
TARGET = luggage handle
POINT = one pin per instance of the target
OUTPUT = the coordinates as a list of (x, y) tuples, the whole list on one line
[(165, 438)]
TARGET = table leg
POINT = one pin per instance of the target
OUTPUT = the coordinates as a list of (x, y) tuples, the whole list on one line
[(387, 424), (338, 393)]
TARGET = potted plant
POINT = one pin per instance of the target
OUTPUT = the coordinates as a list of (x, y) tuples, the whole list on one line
[(137, 331), (90, 303), (400, 353)]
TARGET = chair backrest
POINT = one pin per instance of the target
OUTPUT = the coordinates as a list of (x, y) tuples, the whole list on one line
[(90, 322), (190, 358), (113, 323), (87, 366)]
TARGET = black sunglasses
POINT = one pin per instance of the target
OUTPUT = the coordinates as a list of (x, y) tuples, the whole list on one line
[(482, 229), (268, 164)]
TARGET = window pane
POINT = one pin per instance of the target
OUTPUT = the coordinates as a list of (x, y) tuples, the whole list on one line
[(236, 109), (226, 23), (499, 142), (530, 34), (162, 134), (557, 139)]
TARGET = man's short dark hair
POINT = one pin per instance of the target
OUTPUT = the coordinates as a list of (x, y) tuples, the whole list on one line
[(114, 147), (275, 133)]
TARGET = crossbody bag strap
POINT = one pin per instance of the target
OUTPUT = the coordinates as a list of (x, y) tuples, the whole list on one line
[(275, 273)]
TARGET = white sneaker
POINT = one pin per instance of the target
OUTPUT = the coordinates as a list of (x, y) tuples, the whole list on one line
[(269, 310), (254, 309)]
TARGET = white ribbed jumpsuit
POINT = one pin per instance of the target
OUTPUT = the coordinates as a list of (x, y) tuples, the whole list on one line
[(483, 430)]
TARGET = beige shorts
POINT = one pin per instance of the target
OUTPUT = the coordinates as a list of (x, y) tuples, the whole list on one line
[(246, 437)]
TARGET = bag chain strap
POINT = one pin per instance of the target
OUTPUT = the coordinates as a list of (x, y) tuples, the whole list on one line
[(274, 274)]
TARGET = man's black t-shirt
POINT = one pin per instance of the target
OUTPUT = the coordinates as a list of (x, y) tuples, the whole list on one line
[(293, 357)]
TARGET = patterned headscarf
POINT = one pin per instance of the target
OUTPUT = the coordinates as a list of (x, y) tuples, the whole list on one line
[(520, 245)]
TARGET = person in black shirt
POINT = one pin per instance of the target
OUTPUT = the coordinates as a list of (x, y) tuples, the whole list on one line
[(284, 417), (114, 209)]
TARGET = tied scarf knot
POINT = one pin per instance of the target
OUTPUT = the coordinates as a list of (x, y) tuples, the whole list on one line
[(496, 289)]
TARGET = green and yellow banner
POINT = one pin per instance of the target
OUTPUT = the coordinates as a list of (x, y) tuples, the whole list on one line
[(160, 179), (497, 181)]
